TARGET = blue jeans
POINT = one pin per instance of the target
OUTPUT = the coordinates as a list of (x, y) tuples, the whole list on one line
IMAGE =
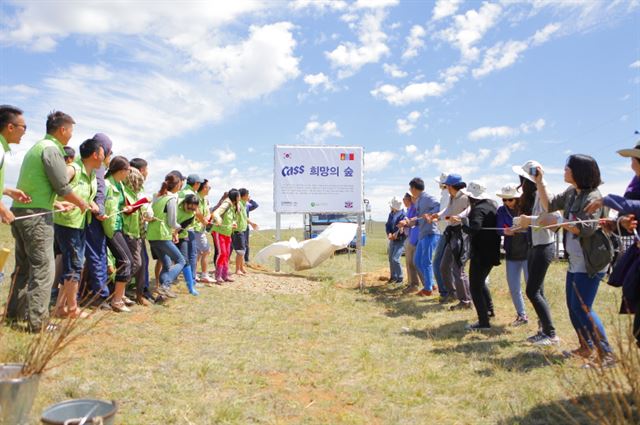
[(437, 259), (172, 260), (183, 246), (96, 258), (395, 250), (581, 293), (424, 254), (515, 270), (71, 243)]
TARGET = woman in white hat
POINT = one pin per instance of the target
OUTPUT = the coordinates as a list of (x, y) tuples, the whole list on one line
[(516, 248), (439, 250), (485, 250), (396, 240), (541, 252)]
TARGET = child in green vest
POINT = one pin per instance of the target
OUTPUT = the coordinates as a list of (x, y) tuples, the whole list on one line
[(185, 216), (203, 248), (115, 208), (69, 227), (225, 222)]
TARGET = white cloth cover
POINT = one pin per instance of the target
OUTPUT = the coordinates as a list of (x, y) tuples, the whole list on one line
[(311, 252)]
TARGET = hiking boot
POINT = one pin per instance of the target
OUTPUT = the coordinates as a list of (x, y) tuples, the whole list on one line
[(461, 306), (424, 293), (409, 289), (446, 299)]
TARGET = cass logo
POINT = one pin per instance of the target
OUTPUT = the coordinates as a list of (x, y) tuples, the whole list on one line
[(292, 171)]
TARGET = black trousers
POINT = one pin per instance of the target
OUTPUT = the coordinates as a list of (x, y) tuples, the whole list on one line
[(538, 260), (480, 291)]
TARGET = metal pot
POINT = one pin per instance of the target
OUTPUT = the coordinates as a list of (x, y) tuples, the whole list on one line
[(73, 412), (16, 394)]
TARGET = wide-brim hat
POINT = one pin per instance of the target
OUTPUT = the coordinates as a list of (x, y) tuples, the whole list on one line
[(508, 192), (635, 152), (395, 203), (442, 178), (476, 191), (524, 170)]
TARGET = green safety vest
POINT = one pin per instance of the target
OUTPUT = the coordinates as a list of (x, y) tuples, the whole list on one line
[(181, 216), (187, 190), (33, 179), (243, 220), (131, 222), (84, 186), (158, 229), (203, 207), (228, 216), (111, 207), (6, 148)]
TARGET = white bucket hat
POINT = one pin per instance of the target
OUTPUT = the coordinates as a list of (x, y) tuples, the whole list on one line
[(395, 203), (508, 192), (442, 178), (525, 169), (476, 191)]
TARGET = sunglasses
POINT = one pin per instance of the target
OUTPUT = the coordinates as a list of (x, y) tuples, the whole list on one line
[(509, 200)]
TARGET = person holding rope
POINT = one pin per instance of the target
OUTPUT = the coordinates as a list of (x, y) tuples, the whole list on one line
[(43, 174), (113, 225), (541, 251), (70, 227), (515, 248), (396, 237), (225, 222), (185, 216), (484, 250), (12, 128), (590, 252)]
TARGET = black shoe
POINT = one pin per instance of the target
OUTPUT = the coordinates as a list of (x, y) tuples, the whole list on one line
[(491, 313)]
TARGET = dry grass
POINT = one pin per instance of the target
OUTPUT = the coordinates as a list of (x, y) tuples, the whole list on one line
[(327, 355)]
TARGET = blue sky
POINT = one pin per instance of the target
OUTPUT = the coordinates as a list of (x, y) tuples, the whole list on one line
[(426, 87)]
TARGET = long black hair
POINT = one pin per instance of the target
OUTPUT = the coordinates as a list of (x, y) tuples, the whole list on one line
[(528, 197)]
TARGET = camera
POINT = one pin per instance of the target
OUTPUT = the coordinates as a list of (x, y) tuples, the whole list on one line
[(533, 171)]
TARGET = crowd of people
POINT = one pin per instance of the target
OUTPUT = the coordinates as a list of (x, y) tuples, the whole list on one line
[(467, 225), (81, 223)]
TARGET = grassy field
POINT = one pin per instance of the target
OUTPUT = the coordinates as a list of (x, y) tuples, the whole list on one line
[(328, 355)]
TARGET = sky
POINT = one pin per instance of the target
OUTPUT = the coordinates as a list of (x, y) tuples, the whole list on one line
[(425, 87)]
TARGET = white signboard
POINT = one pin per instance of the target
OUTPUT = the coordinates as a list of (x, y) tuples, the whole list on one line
[(326, 179)]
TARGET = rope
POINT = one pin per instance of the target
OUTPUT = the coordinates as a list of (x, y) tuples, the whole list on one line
[(22, 217)]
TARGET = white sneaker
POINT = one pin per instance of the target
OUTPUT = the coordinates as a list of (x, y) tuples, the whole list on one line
[(545, 341)]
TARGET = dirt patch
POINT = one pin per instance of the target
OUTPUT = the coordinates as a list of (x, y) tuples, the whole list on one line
[(260, 280)]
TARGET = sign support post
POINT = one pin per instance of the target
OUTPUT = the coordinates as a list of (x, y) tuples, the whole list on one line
[(278, 226)]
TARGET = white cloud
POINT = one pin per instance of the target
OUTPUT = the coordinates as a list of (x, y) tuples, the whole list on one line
[(321, 5), (413, 92), (375, 4), (469, 28), (636, 64), (316, 132), (444, 8), (406, 125), (411, 149), (503, 154), (543, 35), (225, 156), (505, 131), (495, 132), (415, 41), (393, 71), (349, 57), (377, 161), (501, 55), (317, 81)]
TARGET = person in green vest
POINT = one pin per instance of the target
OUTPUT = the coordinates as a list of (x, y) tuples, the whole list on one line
[(194, 182), (185, 216), (115, 209), (225, 221), (203, 247), (43, 175), (162, 233), (133, 228), (238, 238), (12, 128), (69, 227)]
